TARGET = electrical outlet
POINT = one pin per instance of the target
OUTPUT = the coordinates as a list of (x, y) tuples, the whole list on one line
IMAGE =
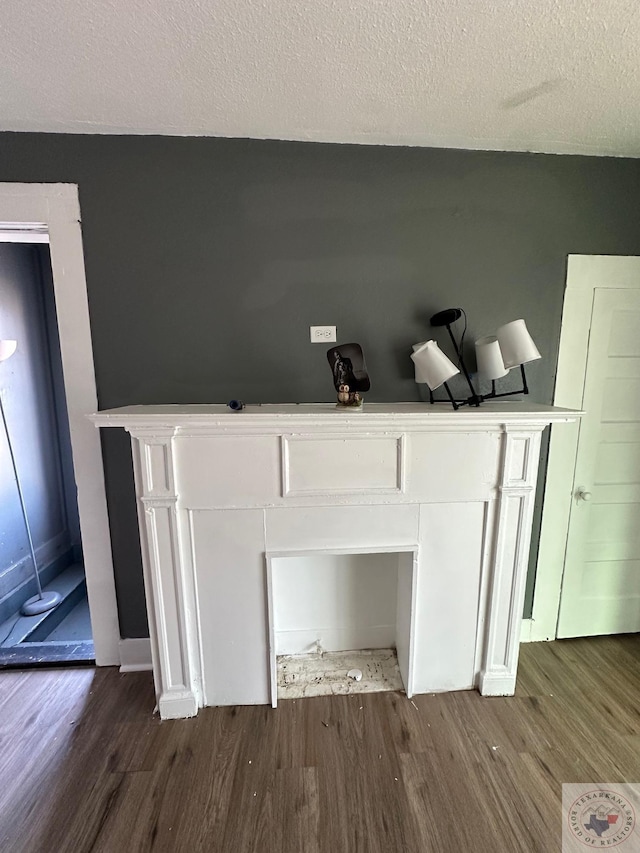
[(323, 334)]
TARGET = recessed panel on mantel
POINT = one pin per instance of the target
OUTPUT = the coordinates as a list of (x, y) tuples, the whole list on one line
[(355, 464), (449, 592), (228, 554), (452, 466), (227, 471)]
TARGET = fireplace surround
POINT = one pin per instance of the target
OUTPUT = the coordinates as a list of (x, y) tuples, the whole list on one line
[(225, 497)]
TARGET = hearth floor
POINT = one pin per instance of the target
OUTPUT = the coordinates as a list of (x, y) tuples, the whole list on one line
[(325, 673)]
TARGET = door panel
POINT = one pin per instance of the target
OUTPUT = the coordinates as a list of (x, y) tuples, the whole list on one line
[(601, 584), (623, 578)]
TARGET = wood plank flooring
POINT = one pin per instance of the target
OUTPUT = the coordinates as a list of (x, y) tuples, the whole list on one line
[(85, 767)]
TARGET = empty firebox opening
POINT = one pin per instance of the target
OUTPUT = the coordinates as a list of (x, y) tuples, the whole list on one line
[(334, 615)]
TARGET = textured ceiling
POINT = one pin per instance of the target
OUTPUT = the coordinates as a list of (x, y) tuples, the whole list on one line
[(539, 75)]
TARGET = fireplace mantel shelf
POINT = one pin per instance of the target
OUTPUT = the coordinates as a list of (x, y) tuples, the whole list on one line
[(226, 498), (274, 415)]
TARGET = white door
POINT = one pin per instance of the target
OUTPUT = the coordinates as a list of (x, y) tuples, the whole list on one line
[(601, 582)]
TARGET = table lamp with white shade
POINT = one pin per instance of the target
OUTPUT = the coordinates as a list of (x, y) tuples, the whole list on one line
[(511, 346), (42, 601)]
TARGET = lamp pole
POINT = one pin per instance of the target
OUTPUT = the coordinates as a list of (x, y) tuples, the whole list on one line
[(42, 601)]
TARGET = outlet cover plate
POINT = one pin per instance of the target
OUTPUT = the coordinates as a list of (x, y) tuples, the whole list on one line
[(322, 334)]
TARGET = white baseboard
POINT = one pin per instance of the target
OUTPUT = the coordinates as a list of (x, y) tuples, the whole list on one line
[(496, 684), (526, 631), (533, 631), (177, 704), (135, 655)]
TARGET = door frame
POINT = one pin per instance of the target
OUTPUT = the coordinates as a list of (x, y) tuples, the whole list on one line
[(585, 273), (56, 209)]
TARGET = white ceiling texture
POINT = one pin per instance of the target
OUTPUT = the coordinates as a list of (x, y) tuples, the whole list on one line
[(540, 75)]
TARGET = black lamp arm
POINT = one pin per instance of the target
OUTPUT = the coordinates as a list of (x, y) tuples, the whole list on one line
[(523, 390), (475, 399)]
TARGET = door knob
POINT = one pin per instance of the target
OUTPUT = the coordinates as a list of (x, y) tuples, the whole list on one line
[(583, 495)]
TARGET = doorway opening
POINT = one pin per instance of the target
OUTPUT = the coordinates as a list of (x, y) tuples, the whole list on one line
[(38, 508)]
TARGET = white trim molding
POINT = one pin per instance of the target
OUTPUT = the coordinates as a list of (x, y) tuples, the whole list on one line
[(54, 208), (169, 603), (24, 232), (135, 655), (515, 513), (526, 630), (585, 273)]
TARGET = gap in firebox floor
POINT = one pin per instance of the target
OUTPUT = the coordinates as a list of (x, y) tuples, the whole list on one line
[(325, 673)]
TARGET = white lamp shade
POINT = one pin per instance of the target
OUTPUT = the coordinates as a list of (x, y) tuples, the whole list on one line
[(420, 377), (432, 365), (489, 358), (516, 344), (7, 349)]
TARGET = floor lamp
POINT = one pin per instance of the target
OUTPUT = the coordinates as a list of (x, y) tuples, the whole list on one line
[(43, 601)]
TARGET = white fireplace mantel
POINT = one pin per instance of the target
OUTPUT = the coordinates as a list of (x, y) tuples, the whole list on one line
[(222, 494)]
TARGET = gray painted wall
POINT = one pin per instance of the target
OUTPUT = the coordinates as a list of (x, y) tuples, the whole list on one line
[(27, 385), (208, 259)]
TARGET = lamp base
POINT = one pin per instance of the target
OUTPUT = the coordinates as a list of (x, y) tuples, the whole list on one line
[(40, 604)]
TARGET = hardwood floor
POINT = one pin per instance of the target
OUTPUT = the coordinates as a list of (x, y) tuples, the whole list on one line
[(85, 767)]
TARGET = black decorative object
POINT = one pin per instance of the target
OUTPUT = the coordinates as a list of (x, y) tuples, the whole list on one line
[(350, 377)]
